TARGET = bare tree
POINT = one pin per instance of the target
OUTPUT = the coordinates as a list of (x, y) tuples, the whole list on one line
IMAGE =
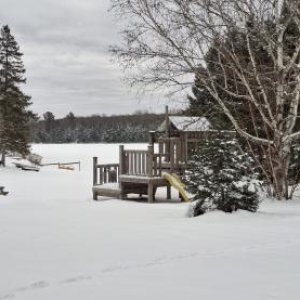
[(166, 42)]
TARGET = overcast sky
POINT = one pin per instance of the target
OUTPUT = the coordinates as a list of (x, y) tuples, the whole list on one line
[(65, 45)]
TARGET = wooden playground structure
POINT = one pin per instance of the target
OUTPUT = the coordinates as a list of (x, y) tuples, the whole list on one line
[(162, 164)]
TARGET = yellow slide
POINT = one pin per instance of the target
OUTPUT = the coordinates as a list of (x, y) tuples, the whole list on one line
[(175, 182)]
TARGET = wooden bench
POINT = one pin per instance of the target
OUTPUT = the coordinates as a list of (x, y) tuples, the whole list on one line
[(2, 192)]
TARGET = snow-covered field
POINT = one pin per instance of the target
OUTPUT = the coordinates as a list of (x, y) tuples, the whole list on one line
[(56, 243)]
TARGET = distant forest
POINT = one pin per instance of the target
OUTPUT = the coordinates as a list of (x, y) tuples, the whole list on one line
[(94, 129)]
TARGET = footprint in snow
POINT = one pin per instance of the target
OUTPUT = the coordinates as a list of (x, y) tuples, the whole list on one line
[(39, 285), (6, 297), (76, 279)]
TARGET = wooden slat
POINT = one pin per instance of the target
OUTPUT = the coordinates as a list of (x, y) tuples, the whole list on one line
[(143, 172), (101, 175), (131, 169), (104, 175), (136, 163), (122, 159), (160, 148), (116, 169), (178, 152), (126, 162), (172, 155), (159, 164), (133, 163), (154, 166), (107, 165), (95, 170), (150, 161)]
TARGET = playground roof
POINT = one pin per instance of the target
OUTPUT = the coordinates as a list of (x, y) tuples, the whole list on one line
[(187, 123)]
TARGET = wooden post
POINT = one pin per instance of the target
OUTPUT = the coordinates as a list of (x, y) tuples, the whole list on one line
[(160, 148), (150, 192), (168, 192), (172, 149), (121, 159), (150, 172), (151, 137), (121, 170), (95, 173), (95, 163), (159, 165), (167, 120), (150, 161), (95, 195), (104, 175), (122, 194), (185, 141), (101, 172), (168, 134)]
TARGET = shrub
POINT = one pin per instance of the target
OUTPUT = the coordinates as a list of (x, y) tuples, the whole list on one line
[(222, 177)]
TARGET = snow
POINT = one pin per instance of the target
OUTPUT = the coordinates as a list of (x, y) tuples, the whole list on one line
[(190, 123), (187, 123), (111, 185), (56, 243)]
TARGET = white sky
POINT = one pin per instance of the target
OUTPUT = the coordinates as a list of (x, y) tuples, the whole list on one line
[(65, 45)]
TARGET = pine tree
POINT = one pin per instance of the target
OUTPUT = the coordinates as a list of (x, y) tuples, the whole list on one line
[(221, 177), (14, 113), (49, 121)]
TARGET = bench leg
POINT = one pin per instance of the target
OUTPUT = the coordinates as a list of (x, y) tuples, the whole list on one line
[(150, 193), (168, 192), (154, 193), (122, 194), (95, 196)]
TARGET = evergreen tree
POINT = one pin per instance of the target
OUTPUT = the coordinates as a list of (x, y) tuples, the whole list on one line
[(203, 104), (14, 114), (201, 101), (71, 120), (49, 120), (221, 177)]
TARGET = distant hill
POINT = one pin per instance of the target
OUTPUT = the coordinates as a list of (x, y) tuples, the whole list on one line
[(95, 129)]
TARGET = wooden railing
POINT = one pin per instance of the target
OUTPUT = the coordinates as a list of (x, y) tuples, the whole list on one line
[(143, 163), (175, 151), (158, 164), (105, 173), (135, 162), (140, 162)]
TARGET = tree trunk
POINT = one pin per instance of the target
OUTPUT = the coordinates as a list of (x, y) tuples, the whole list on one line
[(281, 162), (3, 162)]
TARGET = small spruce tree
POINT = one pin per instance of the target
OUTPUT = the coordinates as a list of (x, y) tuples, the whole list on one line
[(222, 177), (14, 114)]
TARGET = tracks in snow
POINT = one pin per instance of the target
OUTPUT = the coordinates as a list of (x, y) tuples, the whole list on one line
[(163, 260)]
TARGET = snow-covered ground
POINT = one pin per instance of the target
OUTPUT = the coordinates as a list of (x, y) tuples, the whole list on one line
[(56, 243)]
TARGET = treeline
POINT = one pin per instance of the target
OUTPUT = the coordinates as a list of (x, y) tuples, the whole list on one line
[(95, 129)]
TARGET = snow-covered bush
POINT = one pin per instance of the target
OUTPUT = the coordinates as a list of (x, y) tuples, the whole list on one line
[(221, 176)]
